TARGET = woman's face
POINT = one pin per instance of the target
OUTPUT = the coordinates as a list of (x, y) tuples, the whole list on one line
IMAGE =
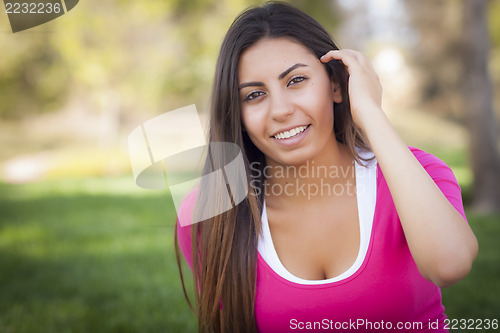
[(286, 100)]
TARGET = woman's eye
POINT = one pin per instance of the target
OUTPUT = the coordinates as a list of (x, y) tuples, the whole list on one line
[(296, 80), (253, 95)]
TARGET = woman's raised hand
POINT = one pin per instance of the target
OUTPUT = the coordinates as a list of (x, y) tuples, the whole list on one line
[(365, 90)]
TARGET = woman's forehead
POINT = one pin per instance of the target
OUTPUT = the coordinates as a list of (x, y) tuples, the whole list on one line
[(274, 55)]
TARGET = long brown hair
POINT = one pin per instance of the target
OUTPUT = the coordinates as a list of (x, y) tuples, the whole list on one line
[(225, 246)]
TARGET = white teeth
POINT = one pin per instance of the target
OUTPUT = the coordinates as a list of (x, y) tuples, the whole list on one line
[(289, 134)]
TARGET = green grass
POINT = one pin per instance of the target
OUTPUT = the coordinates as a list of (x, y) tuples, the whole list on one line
[(96, 255), (93, 255), (478, 295)]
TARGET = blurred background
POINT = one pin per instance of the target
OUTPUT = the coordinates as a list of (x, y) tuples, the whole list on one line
[(83, 249)]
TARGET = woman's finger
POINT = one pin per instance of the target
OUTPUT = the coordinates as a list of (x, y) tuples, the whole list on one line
[(350, 58), (346, 57)]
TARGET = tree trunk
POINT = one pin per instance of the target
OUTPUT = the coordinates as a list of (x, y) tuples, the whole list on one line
[(478, 103)]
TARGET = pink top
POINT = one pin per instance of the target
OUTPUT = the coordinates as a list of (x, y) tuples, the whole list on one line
[(386, 293)]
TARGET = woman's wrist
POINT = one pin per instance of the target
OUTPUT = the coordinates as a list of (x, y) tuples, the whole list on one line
[(369, 118)]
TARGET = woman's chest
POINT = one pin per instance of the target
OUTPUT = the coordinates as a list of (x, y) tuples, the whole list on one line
[(316, 244), (382, 289), (279, 306), (386, 286)]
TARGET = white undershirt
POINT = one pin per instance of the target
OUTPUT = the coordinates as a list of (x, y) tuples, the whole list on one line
[(366, 193)]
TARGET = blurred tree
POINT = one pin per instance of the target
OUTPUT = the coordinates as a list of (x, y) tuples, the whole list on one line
[(326, 12), (30, 78), (153, 55), (478, 102), (436, 54), (453, 57)]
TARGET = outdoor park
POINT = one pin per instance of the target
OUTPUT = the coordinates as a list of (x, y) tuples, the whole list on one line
[(84, 249)]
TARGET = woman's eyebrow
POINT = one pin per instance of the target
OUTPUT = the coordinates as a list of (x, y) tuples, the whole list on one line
[(285, 73), (250, 84), (280, 77)]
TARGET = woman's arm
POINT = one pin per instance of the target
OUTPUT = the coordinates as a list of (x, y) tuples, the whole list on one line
[(440, 239)]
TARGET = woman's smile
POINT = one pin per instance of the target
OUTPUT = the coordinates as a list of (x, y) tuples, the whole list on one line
[(288, 133), (293, 136)]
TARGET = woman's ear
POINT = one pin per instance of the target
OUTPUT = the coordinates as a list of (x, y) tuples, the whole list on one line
[(336, 93)]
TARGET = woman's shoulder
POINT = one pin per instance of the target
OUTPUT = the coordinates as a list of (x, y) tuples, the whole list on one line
[(184, 225), (443, 176), (434, 166), (424, 157), (185, 210)]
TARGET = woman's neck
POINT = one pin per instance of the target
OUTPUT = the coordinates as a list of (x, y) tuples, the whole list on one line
[(330, 173)]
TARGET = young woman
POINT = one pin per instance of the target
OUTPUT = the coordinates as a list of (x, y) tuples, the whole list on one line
[(344, 227)]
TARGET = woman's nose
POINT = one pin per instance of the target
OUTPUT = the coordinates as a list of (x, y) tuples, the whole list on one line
[(281, 106)]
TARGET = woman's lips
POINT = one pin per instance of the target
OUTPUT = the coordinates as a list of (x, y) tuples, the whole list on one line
[(292, 136), (286, 134)]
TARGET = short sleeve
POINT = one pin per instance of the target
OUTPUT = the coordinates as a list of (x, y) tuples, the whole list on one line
[(443, 177), (184, 227)]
